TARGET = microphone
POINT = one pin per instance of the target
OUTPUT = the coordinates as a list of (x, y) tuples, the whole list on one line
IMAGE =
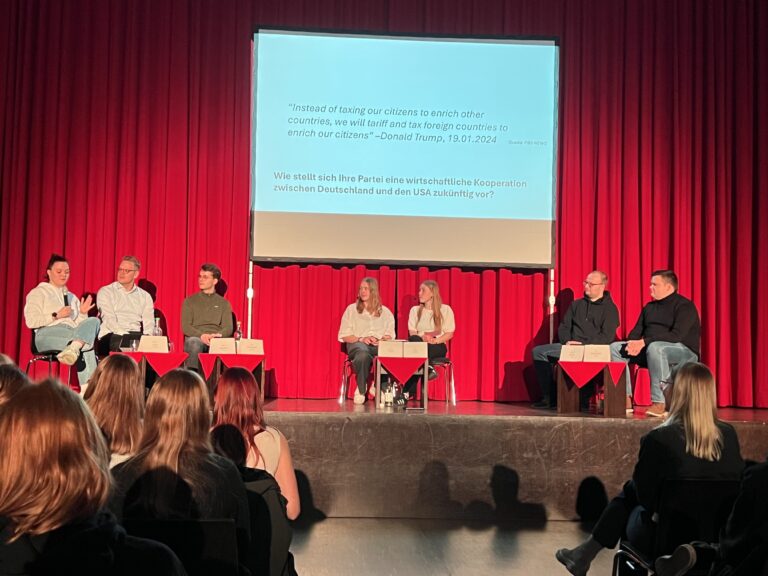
[(66, 296)]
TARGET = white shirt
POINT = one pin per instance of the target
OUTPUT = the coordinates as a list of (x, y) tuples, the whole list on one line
[(426, 324), (124, 311), (45, 299), (365, 324)]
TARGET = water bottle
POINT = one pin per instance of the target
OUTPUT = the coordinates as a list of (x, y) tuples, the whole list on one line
[(388, 396), (238, 331), (156, 330), (394, 390)]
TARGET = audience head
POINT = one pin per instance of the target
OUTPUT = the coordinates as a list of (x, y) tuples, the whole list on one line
[(209, 276), (692, 400), (429, 297), (128, 271), (11, 381), (594, 284), (237, 401), (663, 283), (176, 420), (57, 270), (5, 360), (115, 395), (55, 463), (368, 297), (228, 441)]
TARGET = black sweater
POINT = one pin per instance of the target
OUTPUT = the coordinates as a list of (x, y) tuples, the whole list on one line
[(590, 322), (671, 319)]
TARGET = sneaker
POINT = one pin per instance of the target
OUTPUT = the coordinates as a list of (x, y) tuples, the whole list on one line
[(657, 410), (359, 398), (69, 355), (432, 373), (402, 399), (677, 563), (630, 408)]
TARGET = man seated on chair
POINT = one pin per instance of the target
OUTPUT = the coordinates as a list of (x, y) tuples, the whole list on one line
[(363, 324), (593, 319), (666, 334), (205, 315), (124, 307)]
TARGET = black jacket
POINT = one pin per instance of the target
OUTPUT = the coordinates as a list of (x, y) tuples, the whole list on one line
[(671, 319), (590, 322)]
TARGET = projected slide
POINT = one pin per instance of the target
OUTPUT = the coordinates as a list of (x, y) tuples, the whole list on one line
[(396, 136)]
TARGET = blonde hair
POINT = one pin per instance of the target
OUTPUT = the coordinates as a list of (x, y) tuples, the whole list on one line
[(374, 300), (693, 404), (55, 463), (437, 303), (115, 395)]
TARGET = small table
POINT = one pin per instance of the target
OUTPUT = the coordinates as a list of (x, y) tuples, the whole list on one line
[(161, 362), (211, 365), (580, 373), (402, 360)]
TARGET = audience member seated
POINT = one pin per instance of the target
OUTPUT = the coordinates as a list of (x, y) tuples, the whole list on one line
[(431, 322), (237, 401), (54, 483), (364, 323), (743, 547), (666, 335), (11, 381), (175, 473), (271, 532), (124, 308), (60, 321), (115, 396), (205, 316), (691, 443), (592, 319)]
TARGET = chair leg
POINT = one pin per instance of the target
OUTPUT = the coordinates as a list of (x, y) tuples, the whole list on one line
[(344, 384)]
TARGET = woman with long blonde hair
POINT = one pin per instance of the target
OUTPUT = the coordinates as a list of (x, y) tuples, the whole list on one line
[(430, 321), (237, 401), (54, 484), (363, 324), (115, 396), (691, 443), (175, 474)]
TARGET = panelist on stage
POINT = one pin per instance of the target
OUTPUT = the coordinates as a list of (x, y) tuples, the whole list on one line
[(593, 319), (123, 307), (60, 321), (205, 315), (363, 324), (666, 334), (431, 322)]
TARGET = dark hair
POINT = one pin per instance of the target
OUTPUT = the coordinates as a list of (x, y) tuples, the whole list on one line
[(228, 441), (213, 269), (12, 379), (54, 259), (668, 276)]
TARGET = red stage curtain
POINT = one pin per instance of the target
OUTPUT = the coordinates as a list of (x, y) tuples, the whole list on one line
[(124, 128)]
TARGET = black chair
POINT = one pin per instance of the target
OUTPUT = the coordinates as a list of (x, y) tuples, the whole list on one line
[(49, 356), (690, 509), (205, 547)]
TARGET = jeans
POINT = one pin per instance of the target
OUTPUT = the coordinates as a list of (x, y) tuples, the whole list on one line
[(59, 336), (660, 358), (194, 346), (542, 362), (361, 356)]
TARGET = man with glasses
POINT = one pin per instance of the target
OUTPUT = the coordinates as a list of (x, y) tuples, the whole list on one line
[(666, 335), (593, 319), (205, 315), (124, 308)]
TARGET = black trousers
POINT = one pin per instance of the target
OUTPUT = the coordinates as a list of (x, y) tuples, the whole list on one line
[(625, 517)]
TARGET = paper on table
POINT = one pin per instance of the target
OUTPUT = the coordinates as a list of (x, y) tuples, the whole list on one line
[(597, 353), (572, 353), (250, 346), (153, 344), (222, 346)]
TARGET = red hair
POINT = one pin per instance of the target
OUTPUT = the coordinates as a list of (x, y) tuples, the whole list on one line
[(237, 401)]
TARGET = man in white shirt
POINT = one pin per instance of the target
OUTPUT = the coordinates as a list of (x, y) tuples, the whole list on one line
[(363, 324), (124, 308)]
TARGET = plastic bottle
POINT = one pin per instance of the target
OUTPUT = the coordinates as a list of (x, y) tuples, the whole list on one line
[(156, 330)]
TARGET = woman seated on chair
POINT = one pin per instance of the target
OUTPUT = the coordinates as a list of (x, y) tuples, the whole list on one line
[(237, 401), (54, 484), (60, 321), (691, 443), (431, 322), (175, 474), (115, 396)]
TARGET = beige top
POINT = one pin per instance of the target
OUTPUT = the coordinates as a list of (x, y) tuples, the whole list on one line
[(45, 299), (365, 324), (268, 444), (426, 324)]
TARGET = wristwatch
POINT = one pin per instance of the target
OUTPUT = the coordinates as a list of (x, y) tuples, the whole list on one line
[(55, 315)]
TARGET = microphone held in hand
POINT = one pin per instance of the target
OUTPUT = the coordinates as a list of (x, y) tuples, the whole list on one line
[(66, 296)]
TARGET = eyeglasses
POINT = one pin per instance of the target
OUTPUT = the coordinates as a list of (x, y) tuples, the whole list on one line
[(591, 284), (125, 270)]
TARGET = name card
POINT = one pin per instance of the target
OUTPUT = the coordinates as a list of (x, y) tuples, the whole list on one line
[(222, 346), (391, 349), (153, 344), (597, 353), (415, 350), (572, 353), (250, 346)]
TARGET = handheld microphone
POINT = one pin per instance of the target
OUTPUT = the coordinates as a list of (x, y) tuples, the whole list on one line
[(66, 296)]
